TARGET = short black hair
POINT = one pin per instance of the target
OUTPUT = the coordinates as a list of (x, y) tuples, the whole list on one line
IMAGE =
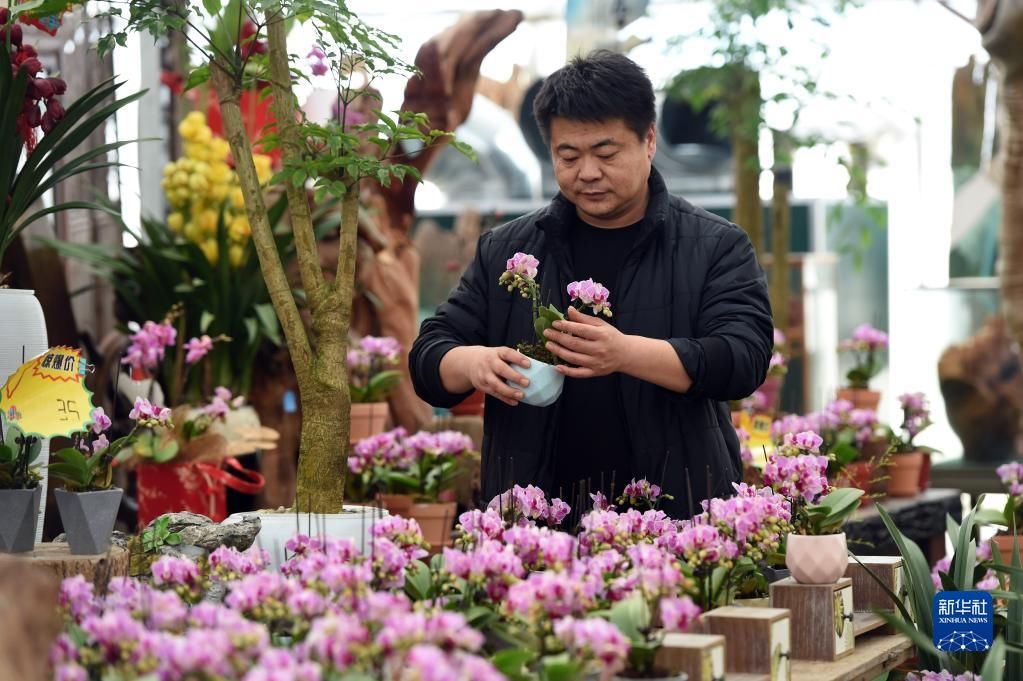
[(599, 87)]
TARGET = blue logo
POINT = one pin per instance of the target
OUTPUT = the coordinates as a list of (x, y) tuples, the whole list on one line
[(963, 621)]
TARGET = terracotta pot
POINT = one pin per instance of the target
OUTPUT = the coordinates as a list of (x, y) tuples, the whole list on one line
[(471, 405), (925, 472), (816, 560), (862, 475), (1004, 542), (904, 474), (861, 398), (397, 504), (368, 419), (436, 521)]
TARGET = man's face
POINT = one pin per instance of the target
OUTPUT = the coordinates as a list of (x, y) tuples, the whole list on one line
[(603, 169)]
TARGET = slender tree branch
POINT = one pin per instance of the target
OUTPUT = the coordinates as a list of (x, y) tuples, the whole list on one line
[(262, 235), (291, 145)]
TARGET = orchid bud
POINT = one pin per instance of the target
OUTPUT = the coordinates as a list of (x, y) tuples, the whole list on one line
[(16, 35), (54, 109), (32, 65), (5, 15), (47, 123), (43, 88)]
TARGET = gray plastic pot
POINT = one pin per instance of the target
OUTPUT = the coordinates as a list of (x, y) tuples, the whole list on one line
[(19, 515), (88, 518)]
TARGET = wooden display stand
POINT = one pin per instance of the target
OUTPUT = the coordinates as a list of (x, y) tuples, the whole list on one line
[(761, 636), (701, 657), (868, 595), (57, 559), (816, 610)]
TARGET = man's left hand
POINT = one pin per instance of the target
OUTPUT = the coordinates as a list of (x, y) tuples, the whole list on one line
[(593, 346)]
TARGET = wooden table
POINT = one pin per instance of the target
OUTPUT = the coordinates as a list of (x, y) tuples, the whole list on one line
[(873, 656), (921, 518)]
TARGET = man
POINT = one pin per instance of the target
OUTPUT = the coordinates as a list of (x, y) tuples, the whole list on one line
[(644, 392)]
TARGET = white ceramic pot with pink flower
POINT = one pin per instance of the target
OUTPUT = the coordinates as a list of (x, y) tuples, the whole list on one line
[(546, 382)]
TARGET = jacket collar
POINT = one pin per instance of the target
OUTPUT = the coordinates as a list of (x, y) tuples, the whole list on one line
[(559, 214)]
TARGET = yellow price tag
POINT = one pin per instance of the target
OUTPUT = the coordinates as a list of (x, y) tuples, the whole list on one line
[(760, 443), (46, 396)]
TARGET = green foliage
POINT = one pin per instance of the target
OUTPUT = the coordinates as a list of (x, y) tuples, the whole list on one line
[(830, 513), (158, 534), (88, 472), (634, 618), (18, 454), (164, 269), (425, 478), (56, 158), (377, 389), (151, 447)]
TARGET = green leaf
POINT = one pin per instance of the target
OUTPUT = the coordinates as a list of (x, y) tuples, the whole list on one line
[(512, 662), (7, 454), (630, 616), (173, 539), (205, 319), (268, 319), (418, 581), (994, 662), (964, 559), (201, 74), (212, 7), (560, 668)]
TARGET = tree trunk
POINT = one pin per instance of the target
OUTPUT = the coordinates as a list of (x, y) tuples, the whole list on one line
[(323, 449), (1010, 266), (781, 220), (749, 211)]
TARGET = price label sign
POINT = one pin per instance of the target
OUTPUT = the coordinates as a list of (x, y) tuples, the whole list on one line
[(46, 396)]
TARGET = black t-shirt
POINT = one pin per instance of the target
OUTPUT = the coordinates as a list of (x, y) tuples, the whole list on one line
[(593, 445)]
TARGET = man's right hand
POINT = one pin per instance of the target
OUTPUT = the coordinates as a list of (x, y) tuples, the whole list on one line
[(485, 369)]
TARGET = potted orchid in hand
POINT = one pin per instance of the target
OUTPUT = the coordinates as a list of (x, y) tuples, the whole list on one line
[(371, 379), (88, 504), (866, 345), (545, 383), (907, 474), (815, 550)]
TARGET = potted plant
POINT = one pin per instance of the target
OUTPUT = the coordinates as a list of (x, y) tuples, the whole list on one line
[(87, 503), (545, 384), (189, 466), (865, 344), (371, 381), (20, 491), (815, 549), (1010, 516), (909, 461), (410, 474)]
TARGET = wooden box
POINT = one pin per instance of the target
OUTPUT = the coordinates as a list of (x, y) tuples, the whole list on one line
[(757, 640), (700, 656), (822, 617), (868, 595)]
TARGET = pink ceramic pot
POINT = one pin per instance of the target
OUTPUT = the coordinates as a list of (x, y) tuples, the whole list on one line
[(816, 560)]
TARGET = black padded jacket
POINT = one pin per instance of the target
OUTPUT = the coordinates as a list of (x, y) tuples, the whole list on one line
[(691, 278)]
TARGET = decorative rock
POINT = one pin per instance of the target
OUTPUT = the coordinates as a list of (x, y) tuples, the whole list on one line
[(193, 553), (198, 530), (117, 538)]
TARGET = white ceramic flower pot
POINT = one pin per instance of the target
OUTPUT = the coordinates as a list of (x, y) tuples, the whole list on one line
[(816, 560), (22, 337), (277, 528), (545, 384)]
